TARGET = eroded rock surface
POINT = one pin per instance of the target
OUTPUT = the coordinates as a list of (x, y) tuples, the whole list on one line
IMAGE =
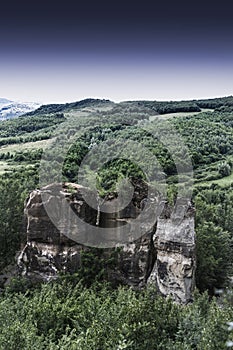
[(174, 242), (163, 253)]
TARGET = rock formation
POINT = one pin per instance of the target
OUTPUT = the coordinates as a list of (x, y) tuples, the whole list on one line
[(163, 253)]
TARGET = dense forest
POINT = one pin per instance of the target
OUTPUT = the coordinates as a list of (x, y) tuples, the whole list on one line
[(73, 313)]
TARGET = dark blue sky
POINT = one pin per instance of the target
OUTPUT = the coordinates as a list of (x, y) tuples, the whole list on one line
[(57, 52)]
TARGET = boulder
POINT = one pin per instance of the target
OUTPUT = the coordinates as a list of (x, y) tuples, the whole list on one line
[(162, 252)]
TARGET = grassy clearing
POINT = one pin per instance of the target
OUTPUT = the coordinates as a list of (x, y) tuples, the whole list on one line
[(28, 146), (8, 166), (210, 170), (177, 114), (5, 166), (225, 181)]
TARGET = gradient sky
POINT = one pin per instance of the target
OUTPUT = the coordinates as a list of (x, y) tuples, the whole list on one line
[(55, 52)]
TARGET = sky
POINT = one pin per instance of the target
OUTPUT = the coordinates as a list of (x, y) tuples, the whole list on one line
[(55, 52)]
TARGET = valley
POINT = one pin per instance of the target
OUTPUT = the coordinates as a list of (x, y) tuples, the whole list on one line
[(59, 290)]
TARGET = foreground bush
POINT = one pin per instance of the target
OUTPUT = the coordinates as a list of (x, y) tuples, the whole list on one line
[(62, 316)]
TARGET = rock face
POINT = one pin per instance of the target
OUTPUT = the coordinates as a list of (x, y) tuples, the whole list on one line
[(48, 251), (174, 242), (163, 253)]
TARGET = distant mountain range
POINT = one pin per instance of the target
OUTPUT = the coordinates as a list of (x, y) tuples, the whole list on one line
[(11, 109)]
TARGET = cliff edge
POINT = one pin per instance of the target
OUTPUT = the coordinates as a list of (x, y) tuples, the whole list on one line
[(163, 254)]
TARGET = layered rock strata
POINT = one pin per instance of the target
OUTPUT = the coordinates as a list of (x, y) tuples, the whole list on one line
[(163, 253)]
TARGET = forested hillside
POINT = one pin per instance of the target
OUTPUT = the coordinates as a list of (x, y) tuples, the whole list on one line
[(69, 314)]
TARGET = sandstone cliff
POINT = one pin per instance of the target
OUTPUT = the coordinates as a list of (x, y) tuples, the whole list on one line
[(163, 253)]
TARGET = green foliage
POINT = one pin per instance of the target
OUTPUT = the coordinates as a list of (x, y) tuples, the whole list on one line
[(95, 268), (213, 257), (64, 107), (209, 136), (214, 228), (67, 314), (22, 125), (64, 316), (27, 129), (14, 189), (224, 169), (18, 285)]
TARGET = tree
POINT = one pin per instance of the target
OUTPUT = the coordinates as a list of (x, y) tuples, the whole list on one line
[(213, 257), (224, 169)]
